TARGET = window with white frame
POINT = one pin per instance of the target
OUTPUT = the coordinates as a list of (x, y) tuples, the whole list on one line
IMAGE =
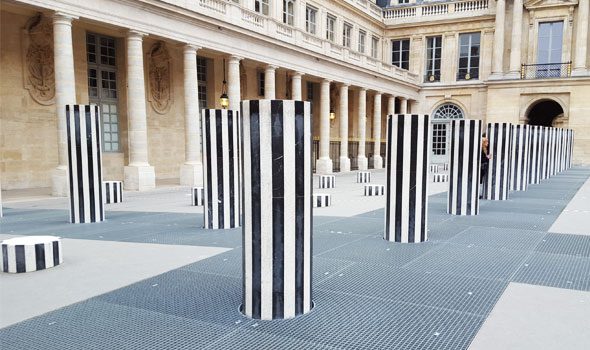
[(288, 8), (433, 58), (374, 47), (362, 39), (261, 81), (468, 56), (310, 19), (400, 53), (330, 28), (261, 6), (202, 81), (346, 34)]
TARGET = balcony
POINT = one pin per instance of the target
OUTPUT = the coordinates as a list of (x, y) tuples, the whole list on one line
[(546, 70), (410, 13)]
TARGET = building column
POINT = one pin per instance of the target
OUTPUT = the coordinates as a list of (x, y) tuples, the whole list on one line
[(377, 159), (403, 105), (65, 94), (233, 83), (344, 160), (515, 55), (296, 86), (581, 39), (269, 82), (391, 105), (362, 161), (191, 172), (498, 55), (139, 175), (324, 163)]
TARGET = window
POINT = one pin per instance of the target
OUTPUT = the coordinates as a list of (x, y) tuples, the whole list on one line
[(310, 19), (439, 138), (362, 36), (346, 34), (202, 81), (400, 53), (288, 12), (433, 54), (260, 83), (102, 86), (374, 47), (309, 91), (261, 6), (550, 42), (468, 56), (448, 111), (330, 27)]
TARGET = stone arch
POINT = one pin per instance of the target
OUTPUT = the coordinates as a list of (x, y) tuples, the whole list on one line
[(546, 111), (450, 108)]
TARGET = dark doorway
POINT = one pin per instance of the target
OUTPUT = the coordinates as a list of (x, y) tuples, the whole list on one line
[(544, 113)]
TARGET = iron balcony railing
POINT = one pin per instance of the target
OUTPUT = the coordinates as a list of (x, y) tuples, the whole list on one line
[(546, 70)]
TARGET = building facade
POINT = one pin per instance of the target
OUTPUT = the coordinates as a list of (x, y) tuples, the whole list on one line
[(152, 65)]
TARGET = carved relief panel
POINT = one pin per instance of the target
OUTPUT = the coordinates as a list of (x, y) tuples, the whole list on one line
[(160, 78), (39, 74)]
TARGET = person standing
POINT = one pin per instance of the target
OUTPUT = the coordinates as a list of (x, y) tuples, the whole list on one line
[(485, 161)]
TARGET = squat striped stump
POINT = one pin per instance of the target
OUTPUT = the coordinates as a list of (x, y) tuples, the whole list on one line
[(112, 191), (374, 190), (327, 181), (363, 177), (519, 166), (433, 168), (85, 165), (407, 178), (463, 194), (500, 149), (440, 178), (277, 216), (322, 200), (221, 168), (443, 167), (31, 253), (197, 196)]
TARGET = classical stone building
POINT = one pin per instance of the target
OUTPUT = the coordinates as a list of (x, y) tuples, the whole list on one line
[(152, 65)]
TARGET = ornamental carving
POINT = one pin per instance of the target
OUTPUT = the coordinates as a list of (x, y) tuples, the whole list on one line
[(39, 74), (160, 78)]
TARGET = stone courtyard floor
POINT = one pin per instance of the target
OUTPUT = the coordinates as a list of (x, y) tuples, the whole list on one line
[(517, 276)]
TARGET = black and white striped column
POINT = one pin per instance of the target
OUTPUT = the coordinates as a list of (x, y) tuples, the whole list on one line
[(85, 165), (363, 177), (277, 216), (221, 168), (374, 190), (534, 175), (407, 177), (569, 144), (326, 181), (500, 143), (31, 253), (544, 145), (519, 162), (465, 164), (322, 200), (197, 196), (433, 168), (112, 191), (440, 178), (552, 151)]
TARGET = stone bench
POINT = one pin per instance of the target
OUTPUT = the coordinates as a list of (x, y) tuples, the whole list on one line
[(327, 181), (363, 177), (440, 178), (198, 196), (322, 200), (31, 253), (374, 190), (112, 192)]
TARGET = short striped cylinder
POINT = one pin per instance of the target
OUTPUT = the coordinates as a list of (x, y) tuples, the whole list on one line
[(322, 200), (197, 196), (363, 177), (433, 168), (277, 212), (374, 190), (465, 164), (31, 253), (326, 181), (534, 172), (221, 168), (407, 177), (443, 167), (112, 191), (500, 143), (519, 162), (85, 165), (440, 177)]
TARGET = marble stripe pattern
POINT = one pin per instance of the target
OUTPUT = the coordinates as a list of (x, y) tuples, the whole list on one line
[(277, 208), (363, 177), (37, 253), (465, 161), (500, 143), (407, 178), (322, 200), (326, 181), (197, 196), (221, 134), (519, 166), (112, 191), (85, 163), (374, 190)]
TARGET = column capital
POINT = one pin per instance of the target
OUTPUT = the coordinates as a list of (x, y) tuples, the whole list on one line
[(234, 58), (63, 18), (297, 73), (344, 85), (392, 96), (191, 47), (133, 34), (270, 67), (364, 89), (326, 81), (378, 93)]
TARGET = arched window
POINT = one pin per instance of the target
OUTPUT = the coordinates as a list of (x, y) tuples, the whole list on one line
[(448, 111)]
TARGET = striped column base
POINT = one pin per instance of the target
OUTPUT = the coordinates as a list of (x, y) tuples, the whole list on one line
[(433, 168), (440, 178), (443, 167), (32, 253), (363, 177), (374, 190), (327, 181), (112, 191), (322, 200), (198, 195)]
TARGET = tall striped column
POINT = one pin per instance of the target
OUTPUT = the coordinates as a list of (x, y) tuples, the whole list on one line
[(85, 166), (560, 149), (534, 173), (463, 194), (499, 135), (407, 178), (570, 148), (519, 162), (544, 143), (552, 150), (277, 203), (221, 168)]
